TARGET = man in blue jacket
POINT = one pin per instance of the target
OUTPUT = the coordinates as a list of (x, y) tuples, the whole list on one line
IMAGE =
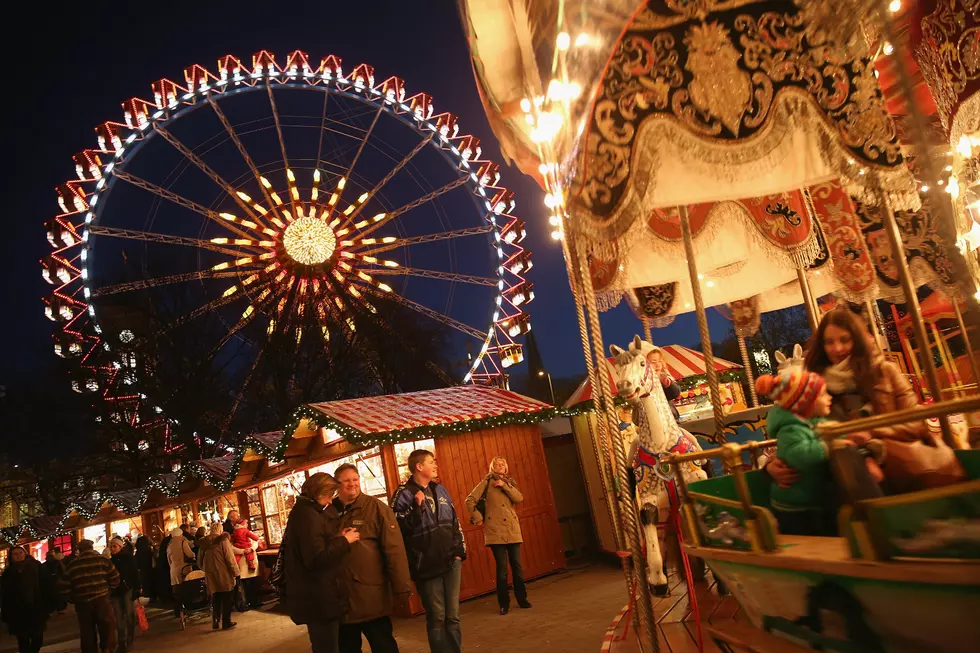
[(435, 547)]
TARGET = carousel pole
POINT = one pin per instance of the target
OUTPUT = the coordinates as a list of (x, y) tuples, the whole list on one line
[(709, 357), (915, 311), (919, 130), (811, 310), (601, 439), (869, 307), (946, 355), (647, 331), (628, 508), (969, 345), (747, 363)]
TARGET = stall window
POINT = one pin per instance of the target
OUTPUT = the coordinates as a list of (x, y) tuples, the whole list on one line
[(3, 559), (171, 520), (98, 536), (226, 504), (255, 522), (278, 498), (132, 527), (369, 468), (39, 550), (64, 543), (404, 449)]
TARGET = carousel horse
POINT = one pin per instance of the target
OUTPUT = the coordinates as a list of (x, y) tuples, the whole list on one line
[(657, 434)]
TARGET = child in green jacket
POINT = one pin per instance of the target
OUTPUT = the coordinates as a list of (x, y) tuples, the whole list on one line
[(801, 402)]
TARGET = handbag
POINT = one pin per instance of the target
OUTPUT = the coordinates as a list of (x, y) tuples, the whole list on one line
[(141, 618), (277, 577), (481, 504)]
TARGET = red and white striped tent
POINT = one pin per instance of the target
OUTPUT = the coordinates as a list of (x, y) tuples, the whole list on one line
[(681, 361)]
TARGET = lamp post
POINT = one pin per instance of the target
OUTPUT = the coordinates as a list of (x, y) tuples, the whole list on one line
[(550, 386)]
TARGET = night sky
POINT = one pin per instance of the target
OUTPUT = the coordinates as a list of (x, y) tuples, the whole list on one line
[(81, 64)]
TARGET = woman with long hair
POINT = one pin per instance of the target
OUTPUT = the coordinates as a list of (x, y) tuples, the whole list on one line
[(863, 383), (314, 553), (492, 503)]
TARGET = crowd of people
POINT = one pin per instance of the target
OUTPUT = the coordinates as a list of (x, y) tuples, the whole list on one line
[(348, 558)]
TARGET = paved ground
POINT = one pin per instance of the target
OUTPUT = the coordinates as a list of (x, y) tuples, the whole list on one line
[(571, 612)]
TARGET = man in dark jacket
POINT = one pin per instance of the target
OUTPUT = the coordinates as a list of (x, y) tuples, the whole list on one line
[(436, 549), (314, 551), (378, 566)]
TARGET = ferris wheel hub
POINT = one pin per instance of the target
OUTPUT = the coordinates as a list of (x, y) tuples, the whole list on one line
[(309, 241)]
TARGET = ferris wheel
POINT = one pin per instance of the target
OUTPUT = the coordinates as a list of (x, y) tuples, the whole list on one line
[(286, 202)]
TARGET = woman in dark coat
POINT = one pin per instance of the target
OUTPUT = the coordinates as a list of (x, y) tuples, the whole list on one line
[(144, 564), (28, 600), (313, 556), (123, 597)]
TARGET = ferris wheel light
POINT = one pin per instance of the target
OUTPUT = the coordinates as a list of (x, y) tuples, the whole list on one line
[(222, 266), (384, 287), (343, 232), (365, 276), (349, 210), (309, 241), (344, 266), (354, 291), (361, 224), (369, 259), (390, 264), (231, 291), (341, 183)]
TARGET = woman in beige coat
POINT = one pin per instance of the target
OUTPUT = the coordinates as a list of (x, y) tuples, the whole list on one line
[(502, 528), (217, 560)]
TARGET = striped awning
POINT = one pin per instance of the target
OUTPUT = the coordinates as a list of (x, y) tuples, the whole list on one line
[(681, 361), (414, 410)]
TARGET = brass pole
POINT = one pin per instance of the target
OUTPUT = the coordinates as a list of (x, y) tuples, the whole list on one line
[(952, 374), (808, 303), (915, 311), (628, 510), (966, 341), (709, 357), (748, 371)]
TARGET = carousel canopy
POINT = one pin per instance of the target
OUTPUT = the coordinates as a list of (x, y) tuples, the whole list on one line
[(681, 361)]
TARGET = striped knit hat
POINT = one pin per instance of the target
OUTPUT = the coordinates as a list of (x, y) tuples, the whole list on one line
[(794, 389)]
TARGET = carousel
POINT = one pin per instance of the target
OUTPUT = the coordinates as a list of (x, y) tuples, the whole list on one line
[(754, 155)]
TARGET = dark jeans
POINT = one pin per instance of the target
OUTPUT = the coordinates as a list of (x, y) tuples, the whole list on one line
[(805, 522), (30, 640), (221, 603), (251, 586), (501, 552), (96, 623), (440, 598), (378, 632), (124, 612), (324, 636)]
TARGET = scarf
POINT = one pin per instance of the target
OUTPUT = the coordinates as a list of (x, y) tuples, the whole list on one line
[(840, 378), (494, 476)]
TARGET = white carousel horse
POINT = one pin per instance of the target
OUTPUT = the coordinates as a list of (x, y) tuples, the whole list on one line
[(657, 433)]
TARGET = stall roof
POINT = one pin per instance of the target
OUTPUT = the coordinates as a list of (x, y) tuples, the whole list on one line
[(411, 415), (681, 362)]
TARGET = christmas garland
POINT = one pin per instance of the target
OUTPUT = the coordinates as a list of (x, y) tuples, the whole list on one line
[(723, 377), (169, 484)]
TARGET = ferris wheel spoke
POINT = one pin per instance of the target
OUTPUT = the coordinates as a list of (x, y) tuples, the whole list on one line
[(131, 234), (241, 150), (323, 127), (241, 393), (436, 274), (143, 284), (363, 143), (246, 317), (224, 300), (388, 217), (166, 194), (401, 164), (207, 170), (275, 117), (395, 243), (431, 313)]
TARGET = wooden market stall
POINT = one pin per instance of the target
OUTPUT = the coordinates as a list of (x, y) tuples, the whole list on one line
[(465, 426)]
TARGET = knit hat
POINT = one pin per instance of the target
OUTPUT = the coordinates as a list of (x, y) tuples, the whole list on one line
[(794, 389)]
